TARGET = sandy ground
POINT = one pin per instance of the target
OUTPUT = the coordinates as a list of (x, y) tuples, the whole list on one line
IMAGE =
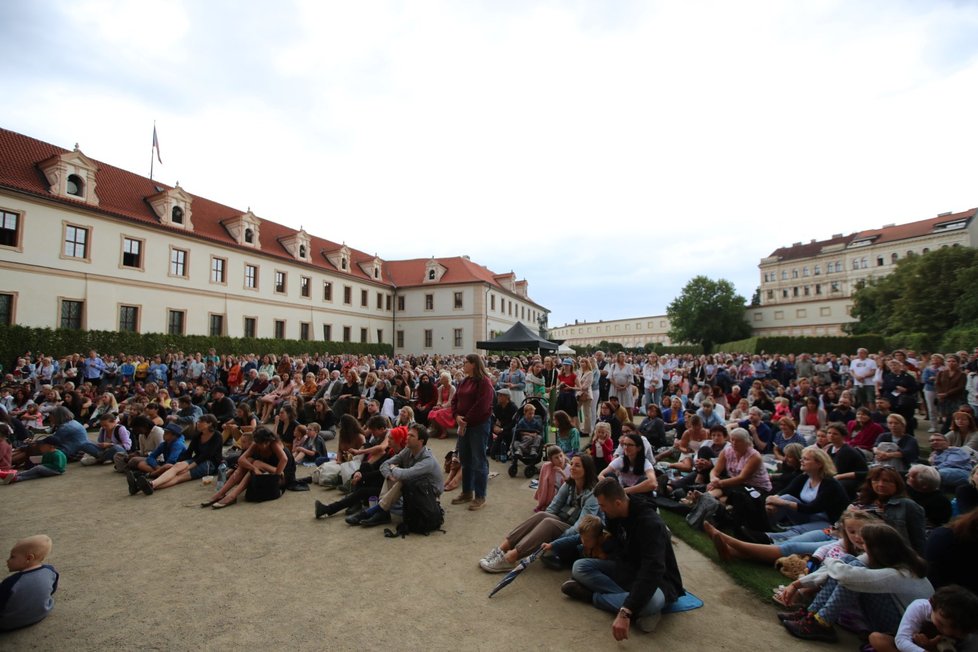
[(160, 573)]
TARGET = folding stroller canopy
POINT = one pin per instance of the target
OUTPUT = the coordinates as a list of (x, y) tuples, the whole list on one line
[(517, 338)]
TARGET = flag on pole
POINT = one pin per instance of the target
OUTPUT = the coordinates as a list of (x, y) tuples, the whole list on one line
[(156, 145)]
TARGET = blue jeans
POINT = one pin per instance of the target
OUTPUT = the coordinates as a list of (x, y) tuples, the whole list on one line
[(792, 534), (101, 454), (595, 575), (800, 542), (472, 454), (39, 471), (954, 477)]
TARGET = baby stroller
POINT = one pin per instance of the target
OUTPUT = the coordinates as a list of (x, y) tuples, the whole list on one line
[(531, 456)]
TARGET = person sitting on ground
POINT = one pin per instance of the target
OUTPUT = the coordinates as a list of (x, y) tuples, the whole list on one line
[(850, 464), (788, 469), (947, 621), (164, 456), (186, 415), (147, 437), (897, 448), (889, 569), (633, 469), (53, 463), (553, 474), (441, 418), (606, 414), (414, 465), (27, 595), (643, 576), (287, 427), (885, 493), (503, 420), (846, 540), (453, 471), (69, 436), (113, 438), (924, 487), (950, 552), (266, 456), (710, 414), (367, 481), (653, 428), (695, 470), (863, 431), (244, 421), (202, 457), (740, 479), (813, 501), (952, 462), (351, 438), (967, 494), (963, 430), (761, 432), (788, 434), (567, 436), (573, 500), (529, 432), (311, 447), (221, 406)]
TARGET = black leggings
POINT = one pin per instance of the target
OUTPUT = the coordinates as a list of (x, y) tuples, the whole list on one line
[(356, 497)]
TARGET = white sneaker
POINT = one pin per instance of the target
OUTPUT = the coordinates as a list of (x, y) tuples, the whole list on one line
[(495, 552), (497, 565)]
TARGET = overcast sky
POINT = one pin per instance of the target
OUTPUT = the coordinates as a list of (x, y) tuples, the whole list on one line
[(606, 151)]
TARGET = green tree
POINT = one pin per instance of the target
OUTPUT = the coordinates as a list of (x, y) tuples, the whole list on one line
[(928, 294), (707, 312)]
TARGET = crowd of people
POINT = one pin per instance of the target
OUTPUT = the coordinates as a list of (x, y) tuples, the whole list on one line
[(771, 455)]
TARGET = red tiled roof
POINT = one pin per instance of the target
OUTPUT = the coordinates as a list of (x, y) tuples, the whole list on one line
[(913, 229), (458, 269), (886, 234), (123, 194), (808, 249)]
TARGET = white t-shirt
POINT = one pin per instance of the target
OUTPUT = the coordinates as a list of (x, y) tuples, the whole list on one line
[(629, 479), (863, 372)]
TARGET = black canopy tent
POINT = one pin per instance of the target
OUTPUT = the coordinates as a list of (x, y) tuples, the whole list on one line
[(517, 338)]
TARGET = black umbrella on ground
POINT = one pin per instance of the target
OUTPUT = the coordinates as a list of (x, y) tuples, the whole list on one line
[(520, 567)]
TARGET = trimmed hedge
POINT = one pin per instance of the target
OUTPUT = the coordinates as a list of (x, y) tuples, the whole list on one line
[(15, 340), (805, 344)]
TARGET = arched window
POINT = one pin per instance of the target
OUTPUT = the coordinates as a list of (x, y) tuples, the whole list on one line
[(249, 236), (176, 215), (431, 275), (75, 186), (302, 251), (894, 257), (926, 250), (343, 262)]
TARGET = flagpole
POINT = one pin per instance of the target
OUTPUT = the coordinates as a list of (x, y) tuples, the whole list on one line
[(151, 152)]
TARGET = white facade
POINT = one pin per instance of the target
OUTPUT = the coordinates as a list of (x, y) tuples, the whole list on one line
[(76, 254), (630, 333)]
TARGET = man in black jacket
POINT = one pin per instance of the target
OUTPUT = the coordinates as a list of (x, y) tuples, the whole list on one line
[(642, 578)]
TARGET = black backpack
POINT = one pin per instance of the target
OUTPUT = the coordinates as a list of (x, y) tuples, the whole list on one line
[(422, 512)]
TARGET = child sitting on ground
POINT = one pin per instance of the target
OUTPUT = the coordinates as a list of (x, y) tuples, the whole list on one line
[(947, 621), (595, 542), (53, 462), (26, 597), (782, 408), (553, 473), (453, 471), (305, 449), (32, 417)]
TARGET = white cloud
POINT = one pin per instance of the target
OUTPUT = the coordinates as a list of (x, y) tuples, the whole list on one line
[(586, 146)]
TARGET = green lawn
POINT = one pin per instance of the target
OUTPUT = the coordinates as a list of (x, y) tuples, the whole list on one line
[(759, 578)]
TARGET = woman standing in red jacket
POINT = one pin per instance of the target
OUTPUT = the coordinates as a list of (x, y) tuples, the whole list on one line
[(472, 407)]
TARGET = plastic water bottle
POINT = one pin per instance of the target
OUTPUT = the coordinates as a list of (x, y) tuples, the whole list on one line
[(222, 475)]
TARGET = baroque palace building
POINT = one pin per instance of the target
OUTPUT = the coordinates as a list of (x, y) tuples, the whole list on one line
[(90, 246), (806, 289)]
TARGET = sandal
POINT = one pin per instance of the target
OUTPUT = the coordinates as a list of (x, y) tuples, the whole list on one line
[(207, 503), (223, 505)]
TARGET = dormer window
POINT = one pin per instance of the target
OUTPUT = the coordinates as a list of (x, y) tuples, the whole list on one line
[(297, 244), (173, 207), (431, 275), (244, 229), (71, 174), (75, 186)]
